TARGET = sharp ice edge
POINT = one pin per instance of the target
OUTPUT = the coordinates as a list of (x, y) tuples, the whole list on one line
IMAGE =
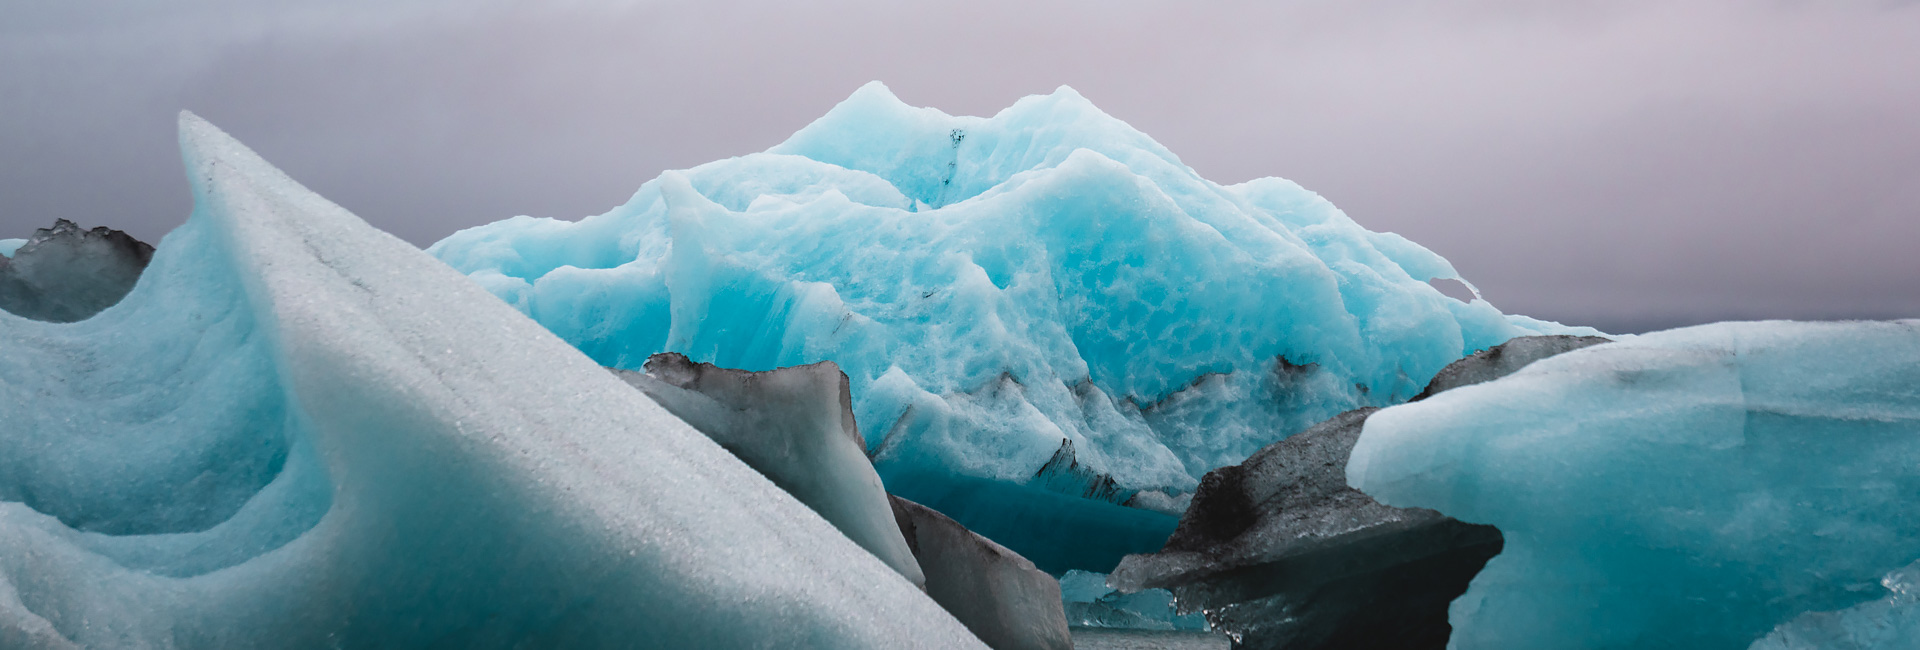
[(996, 286), (297, 431), (1746, 474)]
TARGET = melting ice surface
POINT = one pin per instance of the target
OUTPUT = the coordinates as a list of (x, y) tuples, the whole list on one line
[(1047, 287), (1693, 488), (299, 432)]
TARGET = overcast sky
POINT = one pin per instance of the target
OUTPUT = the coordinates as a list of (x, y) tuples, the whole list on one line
[(1624, 164)]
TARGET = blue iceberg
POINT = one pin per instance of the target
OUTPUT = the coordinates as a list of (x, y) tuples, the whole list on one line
[(299, 432), (1694, 488), (1044, 314)]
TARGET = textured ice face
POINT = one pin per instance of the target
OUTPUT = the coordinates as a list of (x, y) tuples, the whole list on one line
[(996, 286), (64, 274), (299, 432), (1687, 489)]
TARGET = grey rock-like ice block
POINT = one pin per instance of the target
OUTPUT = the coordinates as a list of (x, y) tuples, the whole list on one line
[(64, 274), (795, 425), (1280, 552), (1000, 596), (1504, 359)]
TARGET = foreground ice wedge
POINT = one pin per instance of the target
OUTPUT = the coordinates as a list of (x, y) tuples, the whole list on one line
[(299, 432), (1000, 291), (1692, 488)]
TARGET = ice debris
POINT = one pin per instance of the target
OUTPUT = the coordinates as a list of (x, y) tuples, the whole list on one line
[(795, 425), (1003, 598), (1091, 603), (65, 274), (1280, 552), (1693, 488), (998, 287), (299, 432)]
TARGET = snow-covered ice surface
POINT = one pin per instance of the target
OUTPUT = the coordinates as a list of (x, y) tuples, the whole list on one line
[(996, 287), (299, 432), (1692, 488)]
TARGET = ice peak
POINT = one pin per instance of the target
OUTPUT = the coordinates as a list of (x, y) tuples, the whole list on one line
[(939, 159)]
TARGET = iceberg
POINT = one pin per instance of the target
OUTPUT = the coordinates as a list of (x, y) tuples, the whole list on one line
[(299, 432), (1001, 291), (65, 274), (1693, 488)]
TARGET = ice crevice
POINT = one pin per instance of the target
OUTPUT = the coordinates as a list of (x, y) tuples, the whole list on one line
[(297, 431)]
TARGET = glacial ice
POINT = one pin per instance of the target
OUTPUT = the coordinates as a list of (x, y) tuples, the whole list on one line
[(1000, 596), (65, 274), (997, 288), (299, 432), (1693, 488), (795, 425)]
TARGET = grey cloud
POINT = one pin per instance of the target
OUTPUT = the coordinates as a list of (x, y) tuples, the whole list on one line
[(1618, 164)]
